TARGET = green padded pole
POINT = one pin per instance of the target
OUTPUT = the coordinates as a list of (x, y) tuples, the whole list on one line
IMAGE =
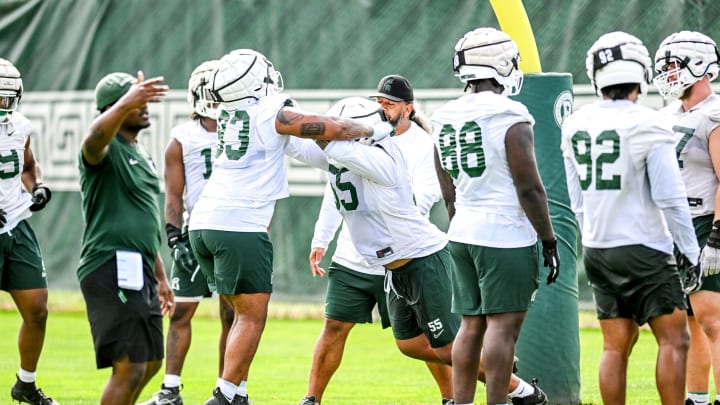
[(549, 343)]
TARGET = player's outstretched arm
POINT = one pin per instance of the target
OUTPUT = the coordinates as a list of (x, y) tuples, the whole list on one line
[(296, 122)]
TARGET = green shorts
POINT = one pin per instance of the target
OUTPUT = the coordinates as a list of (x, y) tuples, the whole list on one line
[(234, 262), (489, 280), (21, 264), (634, 282), (419, 299), (189, 287), (351, 296)]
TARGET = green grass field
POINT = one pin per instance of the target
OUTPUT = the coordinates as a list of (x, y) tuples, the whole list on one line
[(373, 370)]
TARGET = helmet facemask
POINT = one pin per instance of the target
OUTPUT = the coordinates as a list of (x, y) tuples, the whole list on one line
[(682, 59), (11, 89), (197, 90)]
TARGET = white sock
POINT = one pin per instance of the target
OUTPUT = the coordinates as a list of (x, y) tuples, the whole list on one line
[(227, 388), (26, 376), (171, 380), (523, 389), (242, 389), (699, 397)]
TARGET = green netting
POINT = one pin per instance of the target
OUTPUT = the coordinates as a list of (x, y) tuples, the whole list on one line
[(316, 44)]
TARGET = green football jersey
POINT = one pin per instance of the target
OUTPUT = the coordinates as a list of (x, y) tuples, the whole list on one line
[(120, 203)]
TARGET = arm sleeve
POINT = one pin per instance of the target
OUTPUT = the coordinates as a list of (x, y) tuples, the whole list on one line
[(574, 191), (426, 186), (572, 180), (370, 162), (668, 192), (307, 151), (328, 221)]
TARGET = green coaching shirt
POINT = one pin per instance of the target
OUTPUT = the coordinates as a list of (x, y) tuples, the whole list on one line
[(120, 203)]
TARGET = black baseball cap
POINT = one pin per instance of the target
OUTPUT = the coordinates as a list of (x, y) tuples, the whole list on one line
[(395, 88)]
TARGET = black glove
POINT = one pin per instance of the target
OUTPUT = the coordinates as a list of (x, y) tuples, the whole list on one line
[(180, 249), (3, 217), (40, 197), (552, 259), (690, 275), (713, 239)]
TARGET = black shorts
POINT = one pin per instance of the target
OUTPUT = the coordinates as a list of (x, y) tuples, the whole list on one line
[(634, 282), (123, 322)]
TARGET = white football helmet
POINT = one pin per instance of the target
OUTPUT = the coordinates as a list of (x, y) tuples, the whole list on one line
[(618, 58), (682, 59), (197, 86), (11, 89), (242, 77), (486, 53), (362, 109)]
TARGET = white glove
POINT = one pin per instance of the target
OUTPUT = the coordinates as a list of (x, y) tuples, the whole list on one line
[(710, 260), (381, 131), (710, 254)]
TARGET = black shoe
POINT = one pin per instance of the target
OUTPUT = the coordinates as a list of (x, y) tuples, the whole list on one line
[(448, 401), (166, 396), (30, 394), (538, 397), (219, 399), (308, 400)]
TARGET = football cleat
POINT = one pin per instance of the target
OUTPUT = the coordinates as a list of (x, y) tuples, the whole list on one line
[(308, 400), (219, 399), (538, 397), (29, 393), (166, 396)]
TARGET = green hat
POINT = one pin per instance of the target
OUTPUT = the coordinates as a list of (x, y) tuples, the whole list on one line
[(111, 87)]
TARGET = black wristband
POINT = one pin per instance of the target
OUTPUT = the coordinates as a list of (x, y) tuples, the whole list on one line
[(174, 235)]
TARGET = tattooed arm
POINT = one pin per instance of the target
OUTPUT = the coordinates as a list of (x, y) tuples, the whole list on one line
[(293, 121)]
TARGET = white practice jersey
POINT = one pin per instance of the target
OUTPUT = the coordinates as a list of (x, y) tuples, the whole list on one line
[(621, 173), (14, 198), (417, 147), (469, 134), (198, 154), (692, 133), (373, 193), (250, 173)]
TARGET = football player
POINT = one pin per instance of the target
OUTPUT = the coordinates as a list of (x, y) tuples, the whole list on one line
[(23, 271), (229, 223), (685, 64), (627, 194), (188, 164), (498, 208)]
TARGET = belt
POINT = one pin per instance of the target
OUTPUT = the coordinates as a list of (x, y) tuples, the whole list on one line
[(397, 264)]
